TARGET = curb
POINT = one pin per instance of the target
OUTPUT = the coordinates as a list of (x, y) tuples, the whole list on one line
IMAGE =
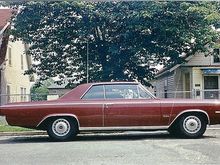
[(24, 133), (35, 133)]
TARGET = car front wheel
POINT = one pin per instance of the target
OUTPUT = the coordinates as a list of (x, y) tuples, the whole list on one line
[(192, 126), (62, 129)]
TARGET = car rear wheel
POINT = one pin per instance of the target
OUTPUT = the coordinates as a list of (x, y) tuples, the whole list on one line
[(62, 129), (192, 125)]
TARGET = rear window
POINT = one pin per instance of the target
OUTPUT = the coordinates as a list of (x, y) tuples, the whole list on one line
[(95, 92)]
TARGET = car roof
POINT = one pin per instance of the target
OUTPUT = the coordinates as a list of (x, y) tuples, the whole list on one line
[(113, 82), (80, 90)]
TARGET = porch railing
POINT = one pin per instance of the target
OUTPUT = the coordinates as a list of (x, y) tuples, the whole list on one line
[(5, 98), (194, 94)]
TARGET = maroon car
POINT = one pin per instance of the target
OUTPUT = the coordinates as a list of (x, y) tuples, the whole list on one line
[(113, 106)]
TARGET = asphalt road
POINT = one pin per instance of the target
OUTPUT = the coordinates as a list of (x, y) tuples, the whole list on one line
[(151, 148)]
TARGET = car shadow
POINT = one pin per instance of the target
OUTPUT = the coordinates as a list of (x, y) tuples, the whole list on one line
[(87, 137)]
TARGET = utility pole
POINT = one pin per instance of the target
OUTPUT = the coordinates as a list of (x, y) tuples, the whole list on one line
[(87, 61)]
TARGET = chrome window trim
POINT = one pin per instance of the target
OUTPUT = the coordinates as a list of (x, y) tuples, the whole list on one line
[(142, 87), (139, 96), (90, 87), (86, 91), (118, 83)]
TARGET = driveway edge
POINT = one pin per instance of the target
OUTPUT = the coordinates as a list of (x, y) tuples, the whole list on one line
[(23, 133)]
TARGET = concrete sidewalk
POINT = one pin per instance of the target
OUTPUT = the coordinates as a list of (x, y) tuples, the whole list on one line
[(214, 126)]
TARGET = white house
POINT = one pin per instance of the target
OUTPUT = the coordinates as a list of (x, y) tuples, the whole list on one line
[(15, 86), (198, 78)]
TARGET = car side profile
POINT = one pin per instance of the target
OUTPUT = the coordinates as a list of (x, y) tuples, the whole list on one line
[(113, 106)]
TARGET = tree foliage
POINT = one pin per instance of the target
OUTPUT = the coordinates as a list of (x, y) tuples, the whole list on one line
[(39, 93), (124, 38)]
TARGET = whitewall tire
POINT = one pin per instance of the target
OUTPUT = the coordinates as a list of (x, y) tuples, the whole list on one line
[(62, 129)]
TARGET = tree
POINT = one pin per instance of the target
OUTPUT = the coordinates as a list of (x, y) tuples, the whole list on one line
[(39, 93), (124, 38)]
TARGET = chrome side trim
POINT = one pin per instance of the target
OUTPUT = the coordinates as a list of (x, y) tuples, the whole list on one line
[(48, 104), (60, 114), (126, 128), (191, 110), (66, 104), (217, 111)]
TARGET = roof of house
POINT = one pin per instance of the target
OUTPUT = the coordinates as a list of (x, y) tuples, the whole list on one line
[(166, 70), (5, 16)]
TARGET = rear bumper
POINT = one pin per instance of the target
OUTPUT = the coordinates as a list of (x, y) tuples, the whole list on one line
[(1, 112)]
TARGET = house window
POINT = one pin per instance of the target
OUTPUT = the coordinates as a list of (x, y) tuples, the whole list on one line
[(8, 91), (22, 62), (23, 94), (9, 57), (155, 91), (165, 89), (211, 87), (216, 57)]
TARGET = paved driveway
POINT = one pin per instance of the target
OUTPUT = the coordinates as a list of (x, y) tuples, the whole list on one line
[(116, 148)]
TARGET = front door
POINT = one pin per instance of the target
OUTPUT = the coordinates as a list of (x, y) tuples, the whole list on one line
[(91, 111), (129, 105), (211, 87)]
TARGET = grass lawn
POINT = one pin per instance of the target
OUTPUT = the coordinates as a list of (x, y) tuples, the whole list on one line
[(7, 128)]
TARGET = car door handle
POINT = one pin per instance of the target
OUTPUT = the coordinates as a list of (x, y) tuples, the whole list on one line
[(108, 104)]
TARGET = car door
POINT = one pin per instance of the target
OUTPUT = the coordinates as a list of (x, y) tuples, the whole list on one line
[(130, 105), (92, 107)]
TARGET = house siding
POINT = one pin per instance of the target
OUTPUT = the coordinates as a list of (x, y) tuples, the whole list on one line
[(199, 59), (13, 75), (170, 85), (164, 83), (178, 87), (172, 82)]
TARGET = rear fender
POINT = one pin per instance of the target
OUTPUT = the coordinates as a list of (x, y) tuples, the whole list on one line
[(58, 115)]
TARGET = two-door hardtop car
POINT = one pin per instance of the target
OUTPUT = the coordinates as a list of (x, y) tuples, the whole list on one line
[(113, 106)]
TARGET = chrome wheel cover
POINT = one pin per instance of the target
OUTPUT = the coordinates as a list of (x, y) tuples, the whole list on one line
[(192, 124), (61, 127)]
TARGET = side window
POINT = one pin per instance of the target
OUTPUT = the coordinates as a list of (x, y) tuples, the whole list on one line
[(9, 57), (216, 57), (121, 91), (143, 94), (96, 92)]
